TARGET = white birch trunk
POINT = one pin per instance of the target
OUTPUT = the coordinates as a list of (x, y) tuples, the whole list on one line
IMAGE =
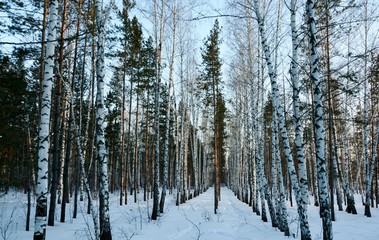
[(274, 188), (168, 113), (62, 154), (84, 178), (319, 124), (44, 125), (305, 232), (253, 115), (282, 208), (158, 42), (195, 160), (185, 157), (370, 170), (105, 228), (294, 73)]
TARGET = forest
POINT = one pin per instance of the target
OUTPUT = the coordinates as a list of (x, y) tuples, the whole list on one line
[(148, 100)]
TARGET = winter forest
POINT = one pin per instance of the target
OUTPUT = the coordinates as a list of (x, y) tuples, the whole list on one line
[(189, 119)]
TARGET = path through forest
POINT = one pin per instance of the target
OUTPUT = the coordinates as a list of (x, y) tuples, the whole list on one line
[(195, 220), (191, 220)]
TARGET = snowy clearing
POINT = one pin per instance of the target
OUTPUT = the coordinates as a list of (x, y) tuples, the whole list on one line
[(192, 220)]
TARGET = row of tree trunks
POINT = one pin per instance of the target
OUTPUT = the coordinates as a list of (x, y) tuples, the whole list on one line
[(189, 164)]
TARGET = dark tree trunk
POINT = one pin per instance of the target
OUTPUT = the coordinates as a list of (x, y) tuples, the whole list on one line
[(66, 197), (28, 209)]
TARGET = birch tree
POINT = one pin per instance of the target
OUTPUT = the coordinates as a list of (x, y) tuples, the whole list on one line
[(56, 122), (159, 30), (168, 113), (105, 228), (281, 206), (83, 174), (294, 74), (305, 232), (44, 128), (319, 125)]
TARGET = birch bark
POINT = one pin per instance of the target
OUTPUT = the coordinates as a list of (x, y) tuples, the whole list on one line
[(305, 232), (319, 124), (158, 41), (105, 228), (168, 113), (44, 127)]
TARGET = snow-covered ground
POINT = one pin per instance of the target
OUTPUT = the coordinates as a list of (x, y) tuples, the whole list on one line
[(192, 220)]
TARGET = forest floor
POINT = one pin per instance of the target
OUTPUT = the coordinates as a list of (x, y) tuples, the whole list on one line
[(193, 220)]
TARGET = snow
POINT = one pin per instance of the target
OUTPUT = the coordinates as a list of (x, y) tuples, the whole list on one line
[(193, 220)]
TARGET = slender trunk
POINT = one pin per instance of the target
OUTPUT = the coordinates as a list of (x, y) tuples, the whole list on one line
[(319, 124), (105, 228), (136, 146), (369, 167), (274, 188), (259, 157), (303, 180), (124, 152), (123, 159), (91, 128), (81, 113), (177, 161), (74, 74), (128, 142), (57, 114), (159, 43), (62, 154), (82, 171), (66, 197), (168, 113), (330, 116), (147, 149), (185, 156), (27, 225), (253, 117), (42, 58), (279, 109), (282, 198), (43, 134)]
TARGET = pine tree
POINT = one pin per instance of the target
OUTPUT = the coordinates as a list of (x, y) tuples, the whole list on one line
[(211, 85), (124, 39), (14, 117)]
